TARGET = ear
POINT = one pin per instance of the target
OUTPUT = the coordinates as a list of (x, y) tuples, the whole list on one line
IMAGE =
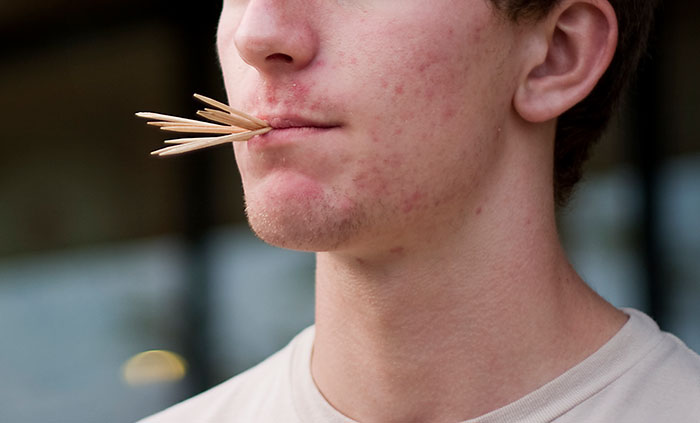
[(569, 51)]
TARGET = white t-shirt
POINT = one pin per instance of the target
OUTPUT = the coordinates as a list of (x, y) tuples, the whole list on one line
[(642, 375)]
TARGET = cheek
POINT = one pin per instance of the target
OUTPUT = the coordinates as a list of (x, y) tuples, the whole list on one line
[(425, 88), (378, 176), (428, 131)]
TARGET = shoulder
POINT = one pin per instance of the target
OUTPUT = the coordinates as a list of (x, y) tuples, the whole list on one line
[(661, 385), (670, 366), (263, 389), (668, 376)]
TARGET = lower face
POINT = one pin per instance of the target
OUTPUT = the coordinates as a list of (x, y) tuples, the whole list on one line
[(416, 97)]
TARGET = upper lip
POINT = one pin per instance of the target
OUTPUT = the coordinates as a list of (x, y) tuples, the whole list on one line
[(292, 121)]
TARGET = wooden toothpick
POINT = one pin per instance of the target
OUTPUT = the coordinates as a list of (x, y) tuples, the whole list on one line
[(232, 124)]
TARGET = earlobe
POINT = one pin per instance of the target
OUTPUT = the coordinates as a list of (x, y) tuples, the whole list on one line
[(576, 42)]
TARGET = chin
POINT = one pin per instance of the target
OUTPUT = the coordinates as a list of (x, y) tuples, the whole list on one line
[(314, 224)]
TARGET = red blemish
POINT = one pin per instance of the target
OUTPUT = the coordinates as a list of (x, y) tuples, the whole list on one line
[(381, 189), (299, 91), (397, 250), (478, 211), (394, 161), (359, 260), (353, 60), (399, 89), (384, 83), (448, 113), (411, 202), (370, 180), (374, 134), (360, 180), (398, 131), (373, 181)]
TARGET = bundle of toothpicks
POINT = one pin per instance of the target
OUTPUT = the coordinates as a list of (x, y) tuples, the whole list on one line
[(231, 124)]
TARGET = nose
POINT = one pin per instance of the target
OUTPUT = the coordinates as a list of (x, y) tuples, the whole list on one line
[(276, 36)]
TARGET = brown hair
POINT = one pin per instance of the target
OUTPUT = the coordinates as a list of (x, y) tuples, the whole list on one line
[(581, 126)]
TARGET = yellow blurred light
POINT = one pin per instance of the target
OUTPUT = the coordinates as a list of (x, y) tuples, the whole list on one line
[(155, 366)]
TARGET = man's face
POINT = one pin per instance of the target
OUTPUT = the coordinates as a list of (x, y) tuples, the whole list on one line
[(395, 108)]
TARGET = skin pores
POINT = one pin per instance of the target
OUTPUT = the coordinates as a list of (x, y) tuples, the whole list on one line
[(396, 109)]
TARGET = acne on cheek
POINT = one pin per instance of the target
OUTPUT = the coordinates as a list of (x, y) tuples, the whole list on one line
[(343, 61), (377, 180), (448, 114), (371, 182), (411, 202), (428, 87), (393, 162)]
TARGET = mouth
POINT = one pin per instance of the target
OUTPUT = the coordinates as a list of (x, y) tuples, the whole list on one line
[(289, 129), (296, 122)]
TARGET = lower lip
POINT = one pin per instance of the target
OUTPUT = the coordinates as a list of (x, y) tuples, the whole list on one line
[(285, 136)]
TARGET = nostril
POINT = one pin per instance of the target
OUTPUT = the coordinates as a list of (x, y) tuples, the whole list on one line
[(279, 57)]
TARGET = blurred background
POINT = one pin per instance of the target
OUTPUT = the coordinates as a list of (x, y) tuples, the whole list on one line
[(129, 283)]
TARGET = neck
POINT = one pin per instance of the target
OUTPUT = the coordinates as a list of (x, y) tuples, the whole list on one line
[(451, 330)]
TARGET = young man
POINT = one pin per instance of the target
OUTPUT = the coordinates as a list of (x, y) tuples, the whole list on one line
[(413, 150)]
